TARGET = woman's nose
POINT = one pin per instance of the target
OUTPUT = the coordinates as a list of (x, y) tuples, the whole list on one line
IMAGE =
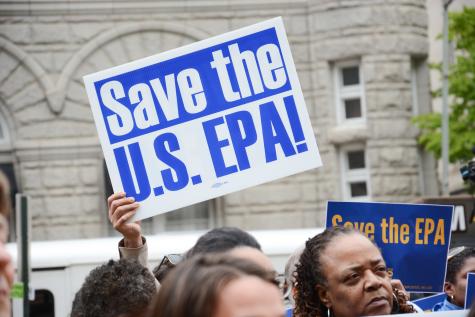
[(372, 281)]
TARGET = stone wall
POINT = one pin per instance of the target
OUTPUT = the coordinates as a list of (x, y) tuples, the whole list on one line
[(46, 47)]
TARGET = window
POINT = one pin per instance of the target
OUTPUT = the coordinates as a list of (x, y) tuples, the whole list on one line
[(349, 93), (355, 173), (43, 304)]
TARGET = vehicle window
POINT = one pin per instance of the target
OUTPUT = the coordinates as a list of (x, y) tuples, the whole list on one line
[(43, 305)]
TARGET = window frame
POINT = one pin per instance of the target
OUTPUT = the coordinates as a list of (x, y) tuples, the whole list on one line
[(356, 175), (343, 93)]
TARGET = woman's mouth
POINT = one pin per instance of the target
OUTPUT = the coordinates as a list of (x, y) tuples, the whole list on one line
[(377, 302)]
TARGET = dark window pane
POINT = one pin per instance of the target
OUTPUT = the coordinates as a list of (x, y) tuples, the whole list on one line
[(356, 160), (108, 190), (352, 108), (350, 75), (358, 189), (9, 171)]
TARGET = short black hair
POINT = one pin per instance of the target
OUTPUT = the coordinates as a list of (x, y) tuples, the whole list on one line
[(455, 264), (221, 240), (214, 241), (115, 288)]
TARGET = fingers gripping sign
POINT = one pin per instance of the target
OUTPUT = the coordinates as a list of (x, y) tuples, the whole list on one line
[(121, 209)]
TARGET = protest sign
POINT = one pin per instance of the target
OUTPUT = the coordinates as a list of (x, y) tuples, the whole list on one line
[(470, 290), (414, 239), (203, 120), (427, 303)]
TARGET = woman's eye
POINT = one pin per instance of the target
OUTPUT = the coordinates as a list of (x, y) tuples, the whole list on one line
[(352, 277)]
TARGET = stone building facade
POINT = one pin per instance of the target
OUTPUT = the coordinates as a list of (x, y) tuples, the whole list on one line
[(361, 63)]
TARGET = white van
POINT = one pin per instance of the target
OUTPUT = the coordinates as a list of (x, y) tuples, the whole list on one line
[(60, 267)]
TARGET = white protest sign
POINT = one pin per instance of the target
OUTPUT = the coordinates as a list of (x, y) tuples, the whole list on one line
[(203, 120), (453, 313)]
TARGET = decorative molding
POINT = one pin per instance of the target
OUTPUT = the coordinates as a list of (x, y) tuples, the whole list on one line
[(66, 7), (54, 150), (348, 134), (56, 92), (29, 62), (58, 95)]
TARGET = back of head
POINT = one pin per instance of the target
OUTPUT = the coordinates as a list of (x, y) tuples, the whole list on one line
[(221, 240), (192, 289), (455, 263), (117, 288), (289, 273)]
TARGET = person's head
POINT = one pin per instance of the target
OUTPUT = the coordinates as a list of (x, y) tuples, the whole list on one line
[(214, 241), (218, 285), (343, 272), (458, 267), (116, 289), (6, 267), (221, 240), (289, 274), (253, 255)]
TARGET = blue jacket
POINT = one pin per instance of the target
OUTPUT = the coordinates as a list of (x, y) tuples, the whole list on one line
[(445, 306)]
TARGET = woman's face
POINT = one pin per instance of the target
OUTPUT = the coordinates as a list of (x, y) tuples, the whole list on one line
[(357, 281), (457, 289), (250, 296)]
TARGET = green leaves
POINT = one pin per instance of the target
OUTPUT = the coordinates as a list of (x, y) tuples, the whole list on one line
[(462, 94)]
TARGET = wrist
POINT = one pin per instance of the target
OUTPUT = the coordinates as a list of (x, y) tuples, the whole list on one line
[(133, 242)]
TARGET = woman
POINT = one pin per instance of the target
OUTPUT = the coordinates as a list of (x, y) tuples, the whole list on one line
[(343, 274), (212, 285), (459, 265)]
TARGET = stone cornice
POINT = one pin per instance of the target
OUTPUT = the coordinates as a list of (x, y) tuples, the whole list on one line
[(65, 7), (58, 149)]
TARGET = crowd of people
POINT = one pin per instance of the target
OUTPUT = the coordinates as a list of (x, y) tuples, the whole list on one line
[(337, 273)]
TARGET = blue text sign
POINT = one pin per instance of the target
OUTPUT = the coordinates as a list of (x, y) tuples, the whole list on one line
[(203, 120), (414, 239), (470, 290)]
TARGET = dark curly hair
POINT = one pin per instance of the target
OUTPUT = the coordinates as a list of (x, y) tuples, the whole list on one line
[(309, 274), (116, 288), (455, 264), (192, 288)]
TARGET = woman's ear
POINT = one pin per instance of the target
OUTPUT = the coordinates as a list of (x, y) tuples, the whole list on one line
[(324, 296), (449, 289)]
